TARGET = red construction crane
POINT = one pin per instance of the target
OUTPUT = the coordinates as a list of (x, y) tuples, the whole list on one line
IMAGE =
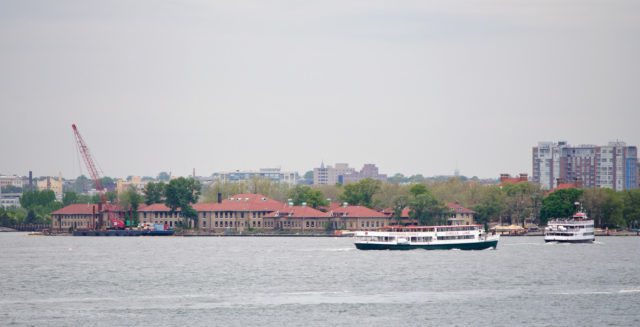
[(95, 175)]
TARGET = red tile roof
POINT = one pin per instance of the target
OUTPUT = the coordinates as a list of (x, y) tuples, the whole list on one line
[(515, 180), (458, 208), (357, 211), (85, 209), (450, 205), (156, 207), (563, 186), (243, 202), (298, 212)]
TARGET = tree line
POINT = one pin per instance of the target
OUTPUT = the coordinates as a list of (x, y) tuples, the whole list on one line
[(507, 204), (520, 203)]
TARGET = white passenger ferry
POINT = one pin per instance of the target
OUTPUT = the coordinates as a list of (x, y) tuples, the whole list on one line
[(466, 237), (577, 229)]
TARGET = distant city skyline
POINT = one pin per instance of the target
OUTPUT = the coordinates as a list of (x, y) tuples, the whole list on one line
[(412, 87)]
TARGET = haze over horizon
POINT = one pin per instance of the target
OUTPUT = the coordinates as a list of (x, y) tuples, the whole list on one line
[(414, 87)]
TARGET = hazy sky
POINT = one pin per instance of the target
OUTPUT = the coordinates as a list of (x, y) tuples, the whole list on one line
[(412, 86)]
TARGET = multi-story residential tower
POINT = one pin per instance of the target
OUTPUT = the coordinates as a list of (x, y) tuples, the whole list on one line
[(368, 171), (274, 174), (610, 166), (331, 175)]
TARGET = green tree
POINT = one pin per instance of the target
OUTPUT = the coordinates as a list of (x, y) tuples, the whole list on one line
[(130, 201), (593, 201), (612, 211), (6, 220), (426, 209), (81, 185), (33, 198), (559, 204), (226, 189), (388, 192), (163, 176), (111, 197), (361, 192), (69, 198), (308, 175), (400, 202), (490, 205), (268, 187), (522, 200), (397, 178), (180, 193), (83, 198), (301, 194), (631, 207), (31, 217), (330, 192), (154, 192), (418, 189)]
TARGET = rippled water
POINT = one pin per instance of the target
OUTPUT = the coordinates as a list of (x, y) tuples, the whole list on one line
[(232, 281)]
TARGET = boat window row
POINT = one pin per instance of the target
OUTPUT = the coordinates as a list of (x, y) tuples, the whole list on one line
[(376, 238), (559, 234), (421, 239), (457, 228), (456, 237)]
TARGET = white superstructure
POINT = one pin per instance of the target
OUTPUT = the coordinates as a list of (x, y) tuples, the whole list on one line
[(466, 237), (577, 229)]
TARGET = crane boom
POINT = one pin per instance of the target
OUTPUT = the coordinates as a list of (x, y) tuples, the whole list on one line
[(95, 175)]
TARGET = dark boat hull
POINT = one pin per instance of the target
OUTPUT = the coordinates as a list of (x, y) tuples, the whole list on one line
[(460, 246), (570, 241), (124, 233)]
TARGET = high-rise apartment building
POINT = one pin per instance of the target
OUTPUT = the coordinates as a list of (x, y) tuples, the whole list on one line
[(368, 171), (331, 175), (610, 166), (343, 174), (274, 174)]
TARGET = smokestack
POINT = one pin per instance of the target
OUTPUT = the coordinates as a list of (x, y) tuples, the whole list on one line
[(524, 177), (219, 197), (30, 181), (194, 173)]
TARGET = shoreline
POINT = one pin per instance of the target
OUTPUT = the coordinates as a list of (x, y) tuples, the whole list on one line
[(612, 234)]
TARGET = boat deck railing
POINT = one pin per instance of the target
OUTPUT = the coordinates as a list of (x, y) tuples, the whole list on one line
[(562, 221)]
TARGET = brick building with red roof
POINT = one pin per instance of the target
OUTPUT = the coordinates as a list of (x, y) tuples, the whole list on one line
[(159, 213), (357, 217), (506, 178), (297, 218), (457, 215), (84, 216)]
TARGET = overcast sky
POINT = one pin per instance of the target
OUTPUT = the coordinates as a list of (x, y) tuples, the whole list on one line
[(412, 86)]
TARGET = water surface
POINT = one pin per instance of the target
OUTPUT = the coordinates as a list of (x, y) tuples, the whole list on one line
[(240, 281)]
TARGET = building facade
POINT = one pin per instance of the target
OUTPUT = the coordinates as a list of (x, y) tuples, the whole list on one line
[(330, 175), (84, 216), (13, 180), (456, 215), (343, 174), (368, 171), (9, 200), (135, 182), (274, 174), (50, 183), (243, 212), (610, 166)]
